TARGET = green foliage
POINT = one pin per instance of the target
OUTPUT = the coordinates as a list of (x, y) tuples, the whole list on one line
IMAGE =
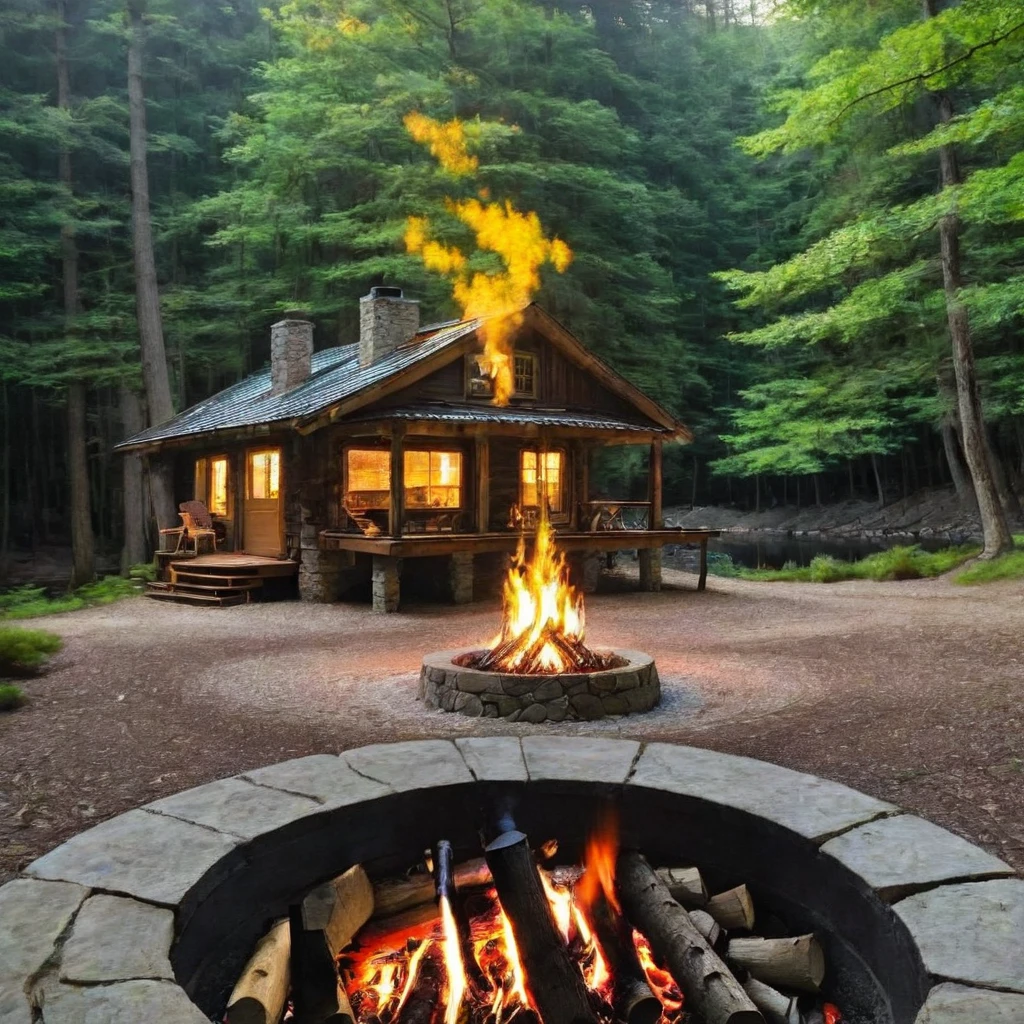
[(11, 697), (897, 563), (1006, 567), (23, 651), (720, 563), (31, 602)]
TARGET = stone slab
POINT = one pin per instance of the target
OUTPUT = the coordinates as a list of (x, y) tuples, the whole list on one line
[(414, 764), (118, 939), (579, 758), (905, 854), (958, 1004), (129, 854), (970, 932), (128, 1002), (33, 915), (814, 808), (236, 807), (494, 758), (15, 1007), (323, 777)]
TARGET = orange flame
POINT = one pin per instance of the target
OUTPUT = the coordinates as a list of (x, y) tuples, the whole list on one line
[(600, 854), (455, 969), (660, 981), (517, 239)]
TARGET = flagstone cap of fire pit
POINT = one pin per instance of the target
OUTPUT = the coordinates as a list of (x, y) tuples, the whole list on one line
[(105, 927), (630, 685)]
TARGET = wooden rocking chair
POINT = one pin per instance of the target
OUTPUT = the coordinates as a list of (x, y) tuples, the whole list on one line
[(196, 522)]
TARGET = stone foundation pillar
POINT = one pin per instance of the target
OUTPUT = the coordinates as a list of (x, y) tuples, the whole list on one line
[(650, 568), (591, 571), (460, 575), (387, 573)]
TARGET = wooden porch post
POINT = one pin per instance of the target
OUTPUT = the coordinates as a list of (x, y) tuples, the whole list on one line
[(396, 505), (482, 450), (657, 521), (581, 484)]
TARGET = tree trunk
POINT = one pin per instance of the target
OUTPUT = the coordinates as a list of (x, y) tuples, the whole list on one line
[(817, 490), (5, 483), (994, 526), (155, 378), (136, 547), (83, 558), (1007, 498), (878, 480), (954, 461)]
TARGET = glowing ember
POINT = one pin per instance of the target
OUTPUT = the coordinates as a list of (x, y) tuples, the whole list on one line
[(542, 616), (516, 238)]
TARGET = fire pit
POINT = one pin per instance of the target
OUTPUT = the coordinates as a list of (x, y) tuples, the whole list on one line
[(538, 669), (166, 911)]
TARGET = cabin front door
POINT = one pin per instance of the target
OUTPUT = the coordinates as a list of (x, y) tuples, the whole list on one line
[(262, 526)]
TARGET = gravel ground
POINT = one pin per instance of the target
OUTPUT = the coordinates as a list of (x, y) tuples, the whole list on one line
[(910, 691)]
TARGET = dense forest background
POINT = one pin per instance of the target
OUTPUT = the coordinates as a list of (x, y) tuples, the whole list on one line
[(796, 224)]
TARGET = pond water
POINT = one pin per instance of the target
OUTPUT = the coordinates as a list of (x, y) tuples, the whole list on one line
[(757, 550)]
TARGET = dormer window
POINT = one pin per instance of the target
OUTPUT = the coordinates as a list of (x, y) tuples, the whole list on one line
[(524, 377)]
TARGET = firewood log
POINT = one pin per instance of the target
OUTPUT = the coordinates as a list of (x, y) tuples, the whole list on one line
[(776, 1007), (555, 981), (686, 885), (394, 895), (792, 963), (424, 997), (733, 908), (707, 985), (262, 988), (707, 926), (325, 922), (632, 998)]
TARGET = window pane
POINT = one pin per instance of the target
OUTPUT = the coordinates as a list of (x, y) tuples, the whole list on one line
[(417, 479), (218, 503), (369, 478), (264, 474), (524, 374), (199, 482), (433, 479), (541, 475)]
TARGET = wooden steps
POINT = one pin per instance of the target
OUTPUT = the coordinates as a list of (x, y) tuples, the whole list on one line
[(218, 579)]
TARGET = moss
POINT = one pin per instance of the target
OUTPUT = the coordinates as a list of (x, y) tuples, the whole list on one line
[(11, 697), (23, 651)]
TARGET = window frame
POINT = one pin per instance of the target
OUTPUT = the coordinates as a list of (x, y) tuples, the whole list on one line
[(432, 450), (532, 358), (564, 514), (472, 373), (249, 475), (345, 482), (203, 473)]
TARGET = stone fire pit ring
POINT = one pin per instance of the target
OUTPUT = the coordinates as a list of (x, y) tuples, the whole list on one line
[(566, 696), (152, 912)]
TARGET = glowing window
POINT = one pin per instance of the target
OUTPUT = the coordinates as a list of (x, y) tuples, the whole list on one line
[(433, 479), (368, 478), (217, 501), (264, 474), (541, 473)]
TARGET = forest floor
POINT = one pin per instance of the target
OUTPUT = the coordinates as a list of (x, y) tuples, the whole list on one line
[(912, 692)]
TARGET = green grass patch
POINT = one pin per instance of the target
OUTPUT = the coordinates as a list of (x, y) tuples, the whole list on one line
[(32, 602), (1006, 567), (24, 651), (908, 562), (11, 697)]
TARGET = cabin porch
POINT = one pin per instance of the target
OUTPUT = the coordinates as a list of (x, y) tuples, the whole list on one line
[(220, 578)]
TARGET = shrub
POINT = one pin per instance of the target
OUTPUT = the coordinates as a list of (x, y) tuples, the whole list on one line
[(32, 602), (23, 651), (826, 569), (721, 564), (10, 697)]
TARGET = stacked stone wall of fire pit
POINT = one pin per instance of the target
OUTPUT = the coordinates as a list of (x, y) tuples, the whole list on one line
[(634, 686)]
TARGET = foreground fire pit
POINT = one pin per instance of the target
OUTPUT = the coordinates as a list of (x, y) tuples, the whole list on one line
[(153, 915), (448, 682)]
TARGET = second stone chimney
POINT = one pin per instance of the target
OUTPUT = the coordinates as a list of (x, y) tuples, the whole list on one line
[(386, 320), (291, 354)]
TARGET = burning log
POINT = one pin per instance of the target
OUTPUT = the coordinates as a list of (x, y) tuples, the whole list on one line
[(686, 886), (393, 896), (262, 989), (556, 985), (423, 998), (706, 983), (325, 922), (776, 1007), (792, 963), (733, 908)]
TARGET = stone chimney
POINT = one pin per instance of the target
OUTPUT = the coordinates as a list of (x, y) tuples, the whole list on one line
[(291, 354), (386, 319)]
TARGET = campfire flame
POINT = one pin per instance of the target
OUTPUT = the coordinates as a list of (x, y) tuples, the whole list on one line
[(516, 238)]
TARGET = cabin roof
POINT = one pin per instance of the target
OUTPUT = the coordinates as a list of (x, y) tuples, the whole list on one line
[(337, 379)]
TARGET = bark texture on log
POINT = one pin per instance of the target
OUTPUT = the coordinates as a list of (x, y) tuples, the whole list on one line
[(262, 989), (796, 962), (555, 982), (707, 926), (777, 1008), (339, 908), (733, 908), (706, 983)]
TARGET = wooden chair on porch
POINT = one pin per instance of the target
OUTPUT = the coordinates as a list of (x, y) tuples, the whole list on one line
[(196, 523)]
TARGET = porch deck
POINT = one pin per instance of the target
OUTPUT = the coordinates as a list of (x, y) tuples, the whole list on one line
[(221, 578)]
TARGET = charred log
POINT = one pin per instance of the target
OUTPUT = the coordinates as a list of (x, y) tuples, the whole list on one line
[(706, 983), (555, 982)]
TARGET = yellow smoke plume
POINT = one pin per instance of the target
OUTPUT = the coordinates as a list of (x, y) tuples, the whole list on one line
[(517, 239)]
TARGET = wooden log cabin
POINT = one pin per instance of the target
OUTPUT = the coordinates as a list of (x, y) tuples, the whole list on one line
[(359, 467)]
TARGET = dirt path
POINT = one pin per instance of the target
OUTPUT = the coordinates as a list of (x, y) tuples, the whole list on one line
[(912, 692)]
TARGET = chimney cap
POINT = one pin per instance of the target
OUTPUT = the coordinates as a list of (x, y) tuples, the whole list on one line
[(385, 291)]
